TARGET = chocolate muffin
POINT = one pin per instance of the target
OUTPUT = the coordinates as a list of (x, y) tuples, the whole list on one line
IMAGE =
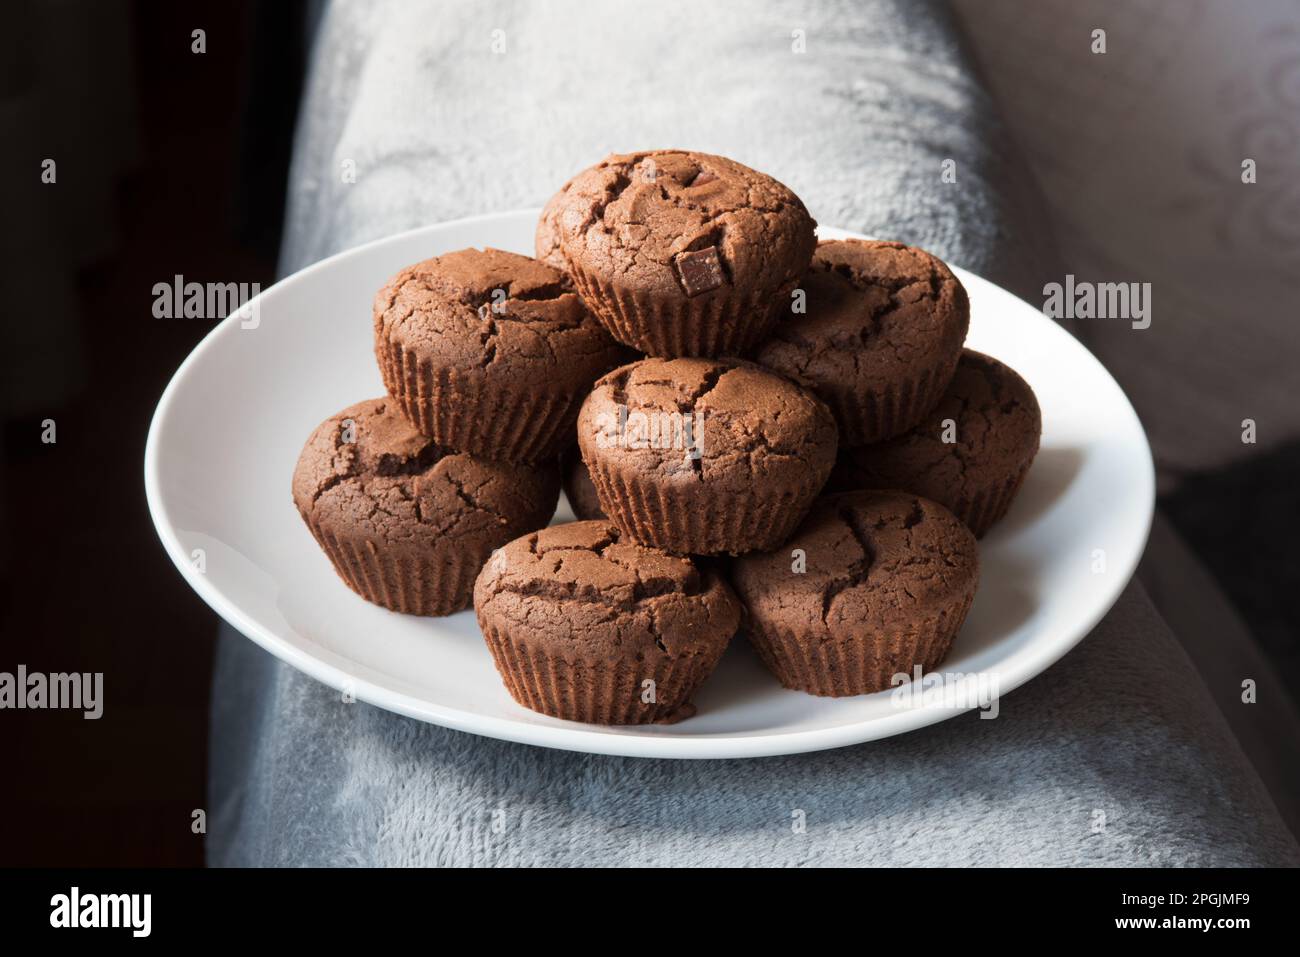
[(971, 453), (705, 456), (681, 253), (546, 240), (880, 338), (407, 523), (489, 352), (586, 625), (578, 488), (872, 584)]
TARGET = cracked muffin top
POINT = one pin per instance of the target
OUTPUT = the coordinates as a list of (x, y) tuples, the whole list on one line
[(723, 422), (875, 310), (585, 586), (879, 562), (498, 313), (366, 474), (680, 224), (996, 426)]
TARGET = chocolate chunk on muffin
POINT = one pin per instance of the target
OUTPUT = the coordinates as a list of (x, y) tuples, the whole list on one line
[(873, 584), (880, 338), (578, 488), (971, 453), (681, 253), (489, 352), (705, 456), (587, 625), (407, 523)]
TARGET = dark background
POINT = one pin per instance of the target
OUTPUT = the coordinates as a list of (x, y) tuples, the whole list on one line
[(86, 585)]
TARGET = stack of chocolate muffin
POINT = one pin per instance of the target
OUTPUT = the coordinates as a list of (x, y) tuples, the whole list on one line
[(759, 433)]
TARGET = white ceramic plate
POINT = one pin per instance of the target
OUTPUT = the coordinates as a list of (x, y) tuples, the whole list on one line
[(228, 430)]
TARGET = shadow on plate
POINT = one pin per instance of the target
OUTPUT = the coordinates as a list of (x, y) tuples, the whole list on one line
[(1005, 602), (1053, 472)]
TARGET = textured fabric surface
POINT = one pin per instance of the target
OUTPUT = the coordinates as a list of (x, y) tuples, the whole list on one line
[(1114, 756)]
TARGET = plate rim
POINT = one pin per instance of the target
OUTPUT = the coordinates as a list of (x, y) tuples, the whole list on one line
[(579, 738)]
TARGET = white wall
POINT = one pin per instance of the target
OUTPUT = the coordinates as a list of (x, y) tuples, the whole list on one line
[(1139, 152)]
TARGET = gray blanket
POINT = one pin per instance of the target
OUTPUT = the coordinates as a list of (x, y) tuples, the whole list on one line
[(1114, 756)]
